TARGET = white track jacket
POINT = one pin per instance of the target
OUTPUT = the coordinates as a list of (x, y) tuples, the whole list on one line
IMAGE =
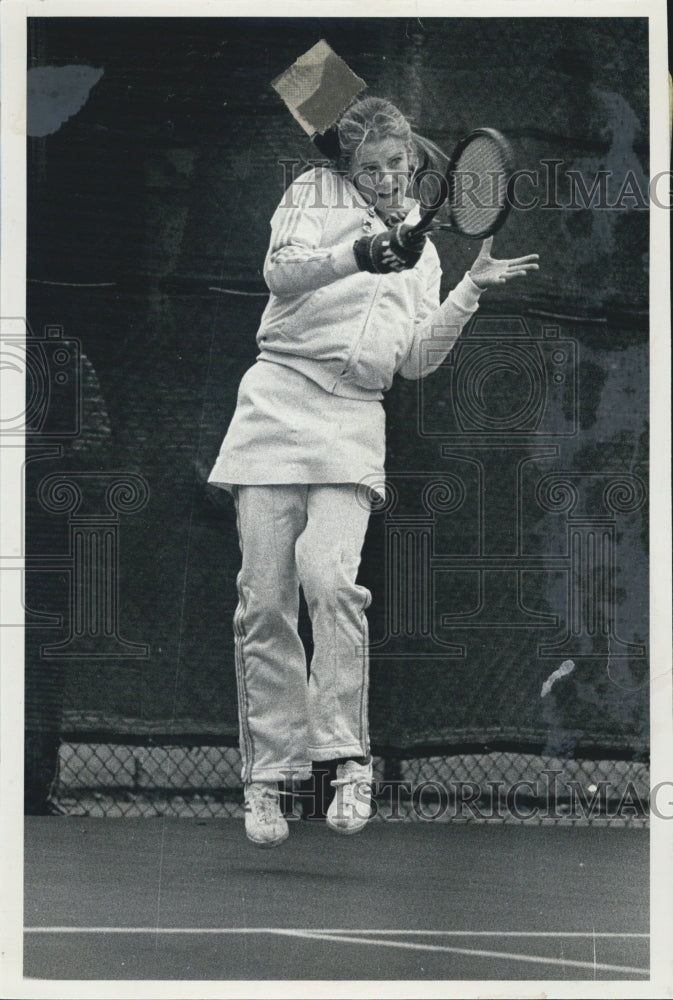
[(347, 330)]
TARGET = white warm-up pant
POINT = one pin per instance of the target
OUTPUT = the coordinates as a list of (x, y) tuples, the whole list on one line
[(308, 535)]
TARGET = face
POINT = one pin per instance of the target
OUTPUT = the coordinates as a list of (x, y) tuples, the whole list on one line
[(380, 171)]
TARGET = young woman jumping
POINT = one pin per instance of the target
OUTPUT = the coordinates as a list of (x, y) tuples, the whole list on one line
[(350, 307)]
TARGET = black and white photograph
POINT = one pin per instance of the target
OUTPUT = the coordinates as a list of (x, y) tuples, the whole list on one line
[(335, 443)]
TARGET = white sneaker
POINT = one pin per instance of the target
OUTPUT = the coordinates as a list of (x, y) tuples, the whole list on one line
[(350, 808), (265, 824)]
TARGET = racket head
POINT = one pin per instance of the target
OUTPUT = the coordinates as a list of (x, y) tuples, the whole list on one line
[(428, 184), (481, 166), (428, 159), (469, 187)]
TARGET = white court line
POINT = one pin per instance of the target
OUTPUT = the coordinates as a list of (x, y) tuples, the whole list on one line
[(474, 952), (378, 932), (366, 938)]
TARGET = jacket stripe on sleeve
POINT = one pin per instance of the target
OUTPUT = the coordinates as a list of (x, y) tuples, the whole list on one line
[(304, 196)]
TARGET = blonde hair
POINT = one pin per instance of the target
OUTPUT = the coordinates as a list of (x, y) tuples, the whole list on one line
[(371, 118)]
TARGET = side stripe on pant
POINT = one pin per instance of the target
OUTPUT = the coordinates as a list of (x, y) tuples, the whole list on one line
[(247, 747), (364, 695)]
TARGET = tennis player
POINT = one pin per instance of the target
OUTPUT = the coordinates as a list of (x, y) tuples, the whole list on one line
[(350, 307)]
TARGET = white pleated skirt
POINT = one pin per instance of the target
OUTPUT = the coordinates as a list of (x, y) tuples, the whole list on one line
[(288, 429)]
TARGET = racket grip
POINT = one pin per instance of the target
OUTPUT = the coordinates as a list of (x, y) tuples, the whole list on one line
[(411, 237), (424, 224)]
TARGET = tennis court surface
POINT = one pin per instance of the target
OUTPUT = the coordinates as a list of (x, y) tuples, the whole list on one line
[(178, 899)]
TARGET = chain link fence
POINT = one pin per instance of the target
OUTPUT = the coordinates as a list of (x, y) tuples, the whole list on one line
[(476, 786)]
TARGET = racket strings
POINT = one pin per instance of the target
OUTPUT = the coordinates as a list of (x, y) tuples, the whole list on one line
[(479, 185)]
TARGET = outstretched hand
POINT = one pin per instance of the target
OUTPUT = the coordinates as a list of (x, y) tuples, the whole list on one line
[(486, 272)]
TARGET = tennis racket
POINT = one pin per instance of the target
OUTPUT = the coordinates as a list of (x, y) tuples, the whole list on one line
[(472, 184)]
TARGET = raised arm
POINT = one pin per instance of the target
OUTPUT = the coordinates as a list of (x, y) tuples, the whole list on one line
[(295, 262), (438, 327)]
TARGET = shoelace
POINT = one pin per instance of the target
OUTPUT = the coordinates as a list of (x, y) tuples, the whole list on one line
[(360, 783), (268, 805)]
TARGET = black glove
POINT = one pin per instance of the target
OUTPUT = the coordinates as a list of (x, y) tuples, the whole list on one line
[(394, 250)]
